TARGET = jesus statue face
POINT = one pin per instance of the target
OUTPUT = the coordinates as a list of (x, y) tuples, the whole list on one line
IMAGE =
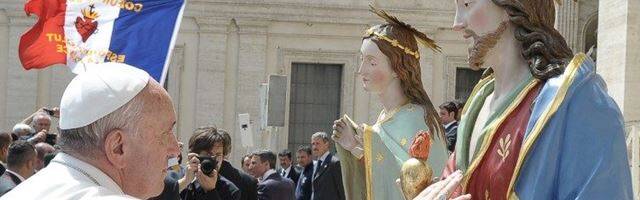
[(482, 23)]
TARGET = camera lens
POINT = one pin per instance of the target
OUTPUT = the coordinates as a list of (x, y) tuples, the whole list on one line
[(207, 166)]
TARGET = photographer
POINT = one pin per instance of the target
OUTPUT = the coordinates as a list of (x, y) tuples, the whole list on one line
[(41, 123), (202, 180)]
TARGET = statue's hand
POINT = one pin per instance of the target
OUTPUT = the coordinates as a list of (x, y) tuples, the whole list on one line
[(344, 134), (443, 189)]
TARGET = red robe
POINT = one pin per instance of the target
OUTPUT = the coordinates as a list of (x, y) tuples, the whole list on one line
[(491, 177)]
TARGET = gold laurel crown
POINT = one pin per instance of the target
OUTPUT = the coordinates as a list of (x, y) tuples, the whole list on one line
[(393, 42)]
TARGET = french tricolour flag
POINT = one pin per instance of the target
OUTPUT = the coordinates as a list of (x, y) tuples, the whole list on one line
[(140, 33)]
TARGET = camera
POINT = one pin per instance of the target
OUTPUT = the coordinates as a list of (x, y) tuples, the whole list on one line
[(51, 139), (207, 164)]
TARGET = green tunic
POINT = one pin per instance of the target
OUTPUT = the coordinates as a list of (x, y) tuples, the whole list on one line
[(386, 147)]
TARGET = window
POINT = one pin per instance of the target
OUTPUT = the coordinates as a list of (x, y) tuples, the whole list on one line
[(466, 79), (315, 101)]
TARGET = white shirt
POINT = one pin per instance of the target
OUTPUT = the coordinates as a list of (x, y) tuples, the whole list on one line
[(286, 171), (449, 124), (16, 174), (67, 177), (267, 174)]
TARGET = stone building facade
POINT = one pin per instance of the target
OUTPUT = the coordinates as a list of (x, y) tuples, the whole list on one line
[(226, 49)]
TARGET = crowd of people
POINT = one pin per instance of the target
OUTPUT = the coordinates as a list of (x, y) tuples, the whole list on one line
[(126, 149), (27, 148), (207, 174)]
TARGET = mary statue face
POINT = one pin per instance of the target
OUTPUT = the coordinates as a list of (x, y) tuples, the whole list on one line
[(482, 23), (375, 70)]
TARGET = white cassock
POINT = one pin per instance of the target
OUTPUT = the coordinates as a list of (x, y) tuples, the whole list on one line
[(67, 178)]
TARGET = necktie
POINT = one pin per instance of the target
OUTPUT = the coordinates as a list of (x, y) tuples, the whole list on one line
[(318, 167)]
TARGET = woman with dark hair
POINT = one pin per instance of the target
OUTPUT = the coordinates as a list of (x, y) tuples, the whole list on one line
[(372, 156)]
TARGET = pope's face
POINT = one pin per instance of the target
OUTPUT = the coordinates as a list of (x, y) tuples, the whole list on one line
[(375, 70), (477, 20), (147, 151)]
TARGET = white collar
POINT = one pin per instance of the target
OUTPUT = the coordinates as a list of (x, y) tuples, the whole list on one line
[(287, 170), (324, 156), (267, 174), (90, 172), (449, 124), (16, 174)]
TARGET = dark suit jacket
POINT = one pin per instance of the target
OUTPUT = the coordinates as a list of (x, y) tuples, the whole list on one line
[(7, 182), (294, 175), (247, 184), (303, 187), (2, 169), (327, 181), (451, 134), (225, 190), (275, 187)]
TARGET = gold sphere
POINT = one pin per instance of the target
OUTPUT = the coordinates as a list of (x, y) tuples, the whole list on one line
[(415, 176)]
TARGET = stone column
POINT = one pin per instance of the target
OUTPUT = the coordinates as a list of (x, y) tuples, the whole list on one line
[(567, 23), (619, 64), (4, 66), (231, 76)]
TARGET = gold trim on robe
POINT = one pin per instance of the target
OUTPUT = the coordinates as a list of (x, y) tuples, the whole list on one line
[(548, 113)]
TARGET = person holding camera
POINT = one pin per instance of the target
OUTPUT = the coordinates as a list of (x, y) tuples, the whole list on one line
[(204, 182), (41, 123)]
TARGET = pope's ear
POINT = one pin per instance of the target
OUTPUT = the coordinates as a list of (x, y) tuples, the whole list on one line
[(114, 147)]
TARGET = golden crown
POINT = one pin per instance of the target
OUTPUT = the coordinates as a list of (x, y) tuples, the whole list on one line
[(393, 42), (89, 13)]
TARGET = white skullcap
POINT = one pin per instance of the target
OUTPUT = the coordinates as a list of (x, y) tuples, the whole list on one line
[(99, 91)]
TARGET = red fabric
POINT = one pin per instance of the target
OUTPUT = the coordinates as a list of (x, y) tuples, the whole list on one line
[(492, 177), (44, 45)]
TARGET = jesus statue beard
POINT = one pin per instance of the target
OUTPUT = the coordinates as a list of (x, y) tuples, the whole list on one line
[(482, 45)]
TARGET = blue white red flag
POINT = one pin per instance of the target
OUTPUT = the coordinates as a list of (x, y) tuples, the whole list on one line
[(140, 33)]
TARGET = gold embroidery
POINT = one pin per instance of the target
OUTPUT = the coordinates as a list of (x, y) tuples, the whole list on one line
[(403, 141), (379, 157), (385, 116), (504, 143), (368, 158), (411, 108)]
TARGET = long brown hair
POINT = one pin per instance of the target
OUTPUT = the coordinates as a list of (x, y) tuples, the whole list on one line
[(542, 45), (407, 67)]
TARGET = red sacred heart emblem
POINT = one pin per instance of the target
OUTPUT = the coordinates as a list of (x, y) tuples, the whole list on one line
[(85, 27)]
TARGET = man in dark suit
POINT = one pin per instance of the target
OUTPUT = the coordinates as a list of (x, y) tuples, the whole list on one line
[(287, 170), (21, 162), (303, 187), (272, 186), (327, 177), (448, 112), (247, 184), (5, 141)]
